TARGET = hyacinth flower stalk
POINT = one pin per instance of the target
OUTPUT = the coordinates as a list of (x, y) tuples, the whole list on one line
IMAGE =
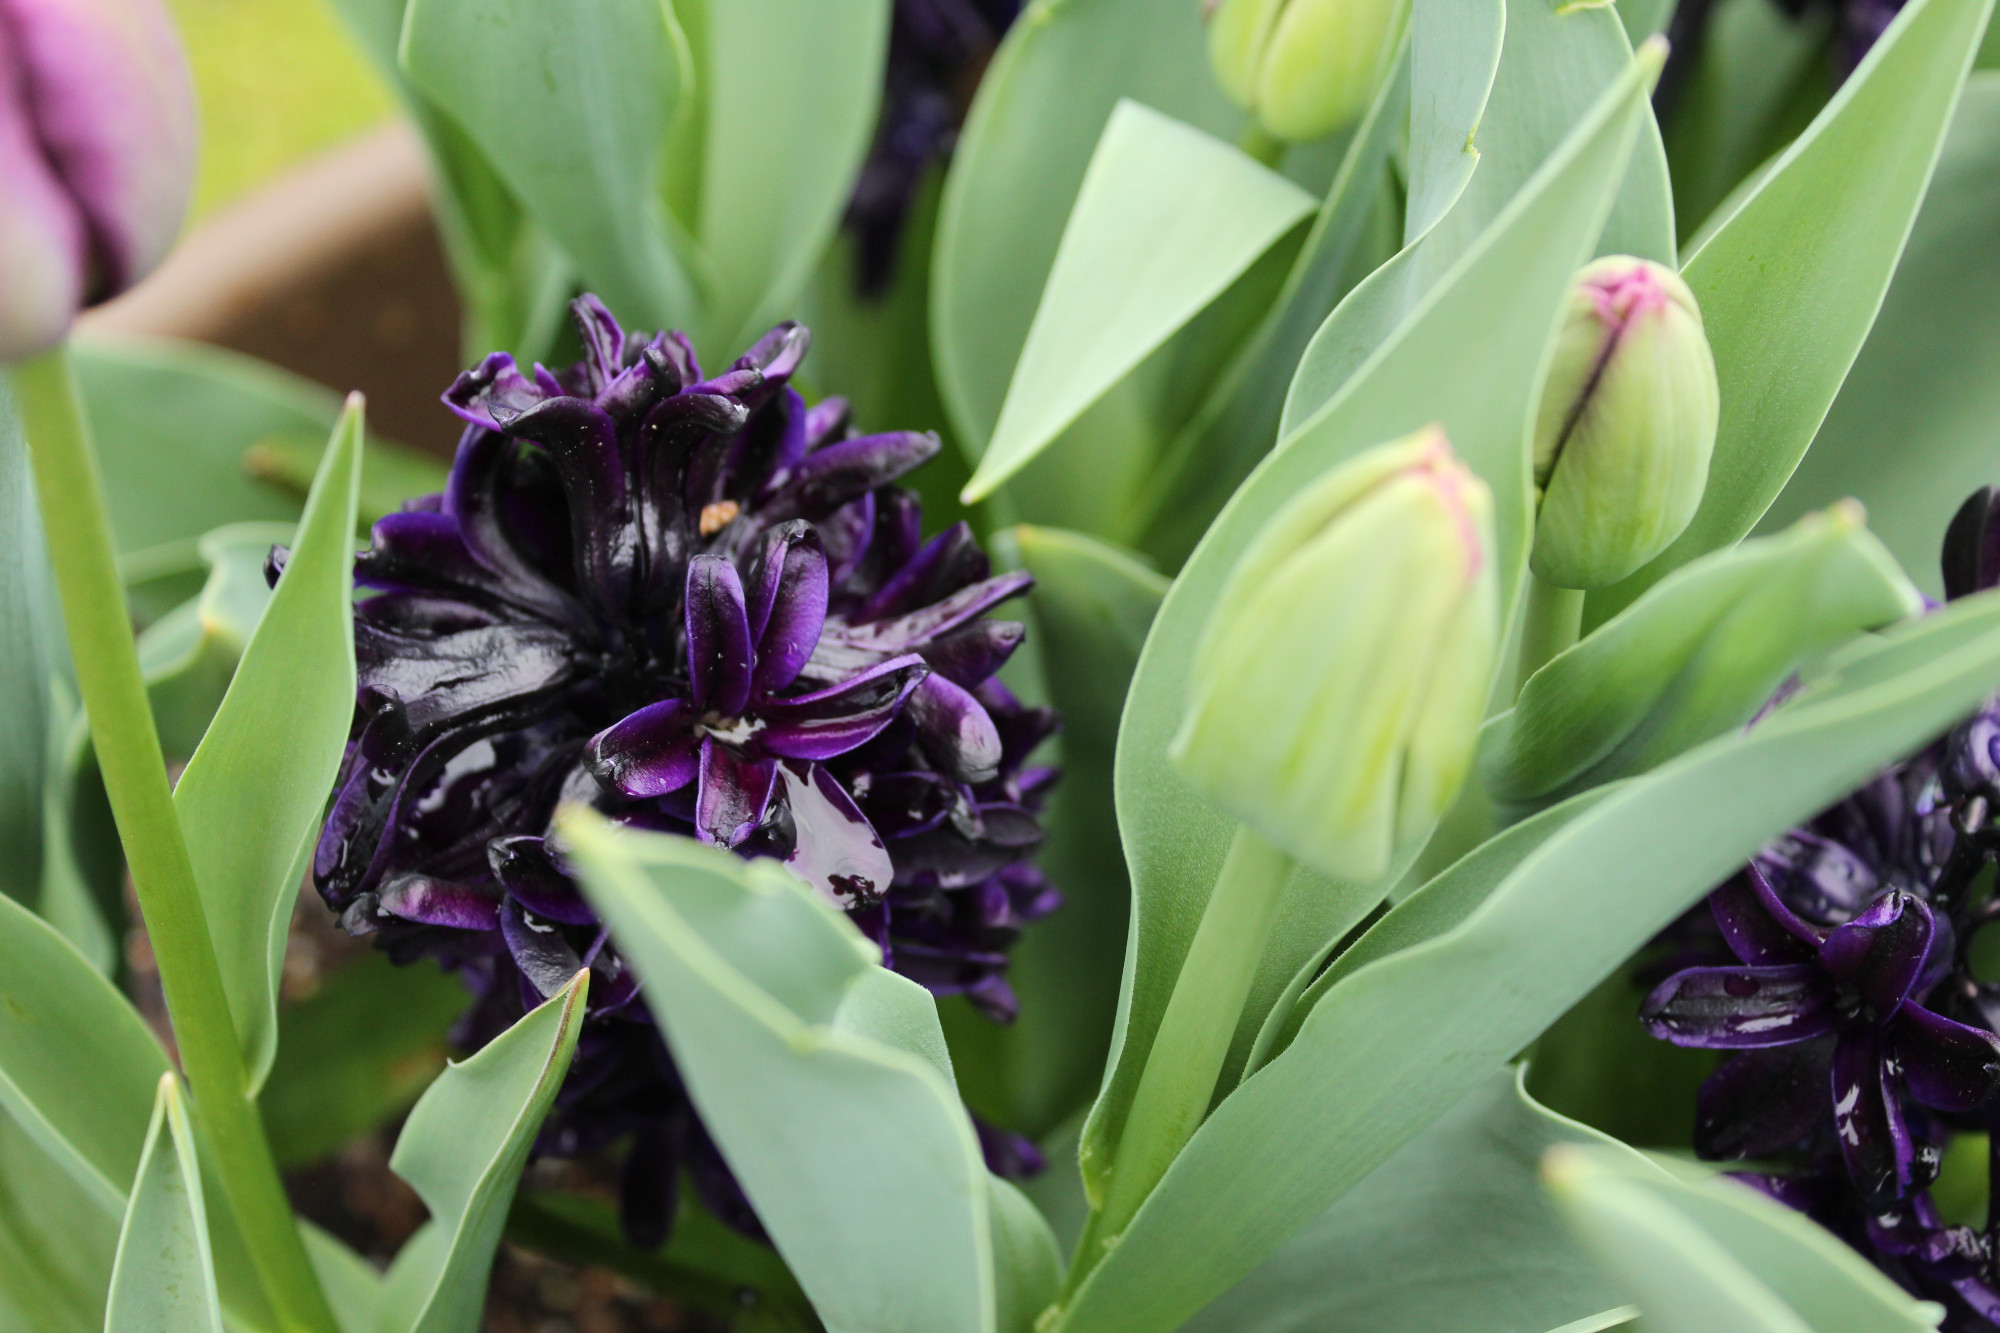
[(1363, 620), (97, 147), (700, 606)]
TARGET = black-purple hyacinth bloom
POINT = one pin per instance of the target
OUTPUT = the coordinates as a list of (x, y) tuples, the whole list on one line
[(937, 51), (1862, 1039), (702, 607)]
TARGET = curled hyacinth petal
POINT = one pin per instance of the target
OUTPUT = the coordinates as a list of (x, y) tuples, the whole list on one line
[(787, 605), (956, 730), (648, 753), (436, 902), (734, 793), (1948, 1066), (834, 848), (1756, 933), (1869, 1122), (1882, 952), (832, 721), (1740, 1008), (1762, 1101), (718, 636), (632, 594), (1972, 545)]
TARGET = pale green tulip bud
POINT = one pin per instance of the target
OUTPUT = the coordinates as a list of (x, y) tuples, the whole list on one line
[(1337, 691), (1626, 426), (1305, 67)]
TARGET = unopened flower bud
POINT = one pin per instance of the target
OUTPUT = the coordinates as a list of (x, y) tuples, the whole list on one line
[(97, 154), (1626, 426), (1338, 688), (1305, 67)]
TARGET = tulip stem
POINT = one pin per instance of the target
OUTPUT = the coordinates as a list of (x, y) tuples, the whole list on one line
[(1550, 623), (1195, 1032), (1267, 148), (71, 495)]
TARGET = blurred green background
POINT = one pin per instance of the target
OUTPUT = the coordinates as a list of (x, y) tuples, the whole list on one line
[(278, 81)]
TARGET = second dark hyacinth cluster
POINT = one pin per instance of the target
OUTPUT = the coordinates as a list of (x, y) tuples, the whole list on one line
[(1861, 1035), (702, 607)]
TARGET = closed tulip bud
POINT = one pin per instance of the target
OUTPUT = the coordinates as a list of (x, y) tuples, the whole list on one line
[(1339, 686), (97, 153), (1626, 426), (1305, 67)]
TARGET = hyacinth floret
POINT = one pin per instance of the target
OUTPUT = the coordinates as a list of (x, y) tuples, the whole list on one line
[(1860, 1036), (702, 607)]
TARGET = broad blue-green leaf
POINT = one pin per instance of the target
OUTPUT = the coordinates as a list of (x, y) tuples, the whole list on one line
[(1166, 219), (1713, 1256), (1451, 1234), (355, 1052), (1089, 613), (463, 1150), (1385, 1050), (56, 1242), (1924, 379), (1455, 48), (824, 1078), (77, 1064), (1790, 284), (1469, 358), (1555, 63), (1438, 905), (1020, 160), (1698, 654), (1355, 231), (164, 1277), (250, 800), (571, 104), (789, 91)]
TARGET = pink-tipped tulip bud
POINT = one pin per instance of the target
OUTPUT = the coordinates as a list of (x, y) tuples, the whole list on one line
[(1626, 426), (97, 156), (1336, 694)]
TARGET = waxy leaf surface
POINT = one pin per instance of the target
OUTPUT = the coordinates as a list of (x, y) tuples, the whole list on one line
[(164, 1277)]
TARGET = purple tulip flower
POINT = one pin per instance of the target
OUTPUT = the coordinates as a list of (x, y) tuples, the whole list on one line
[(702, 607), (97, 156)]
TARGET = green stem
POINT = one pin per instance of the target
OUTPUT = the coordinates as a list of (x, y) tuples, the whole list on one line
[(1193, 1040), (1266, 148), (135, 779), (1549, 624)]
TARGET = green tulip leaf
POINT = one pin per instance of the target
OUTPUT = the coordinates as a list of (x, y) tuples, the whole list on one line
[(1495, 311), (825, 1080), (250, 799), (1925, 376), (789, 91), (1698, 654), (463, 1149), (1091, 607), (1790, 283), (1452, 1233), (357, 1051), (1554, 65), (390, 473), (164, 1277), (1236, 423), (57, 1242), (1711, 1256), (189, 655), (78, 1066), (572, 106), (1395, 1042), (1166, 219), (1455, 53), (1019, 166)]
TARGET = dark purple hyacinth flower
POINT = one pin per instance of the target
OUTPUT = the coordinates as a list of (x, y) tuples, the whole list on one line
[(937, 51), (1861, 1037), (702, 607), (1856, 26)]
